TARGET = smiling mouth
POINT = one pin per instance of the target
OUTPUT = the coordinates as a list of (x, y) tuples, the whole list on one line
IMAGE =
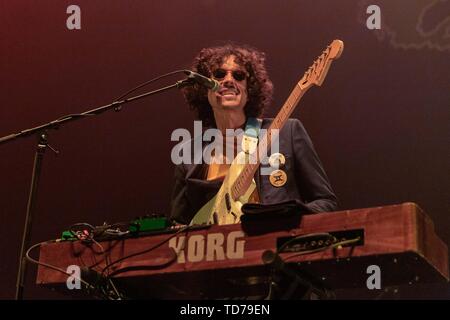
[(228, 92)]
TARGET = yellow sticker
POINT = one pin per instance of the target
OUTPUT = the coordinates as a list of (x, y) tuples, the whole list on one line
[(278, 178)]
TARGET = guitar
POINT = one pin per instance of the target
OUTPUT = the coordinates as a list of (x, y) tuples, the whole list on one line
[(238, 185)]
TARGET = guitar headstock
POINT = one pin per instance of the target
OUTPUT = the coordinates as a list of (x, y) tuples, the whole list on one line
[(316, 73)]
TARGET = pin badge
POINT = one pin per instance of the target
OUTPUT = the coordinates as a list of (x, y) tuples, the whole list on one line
[(277, 160), (278, 178)]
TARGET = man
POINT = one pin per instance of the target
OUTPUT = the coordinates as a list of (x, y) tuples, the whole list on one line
[(245, 90)]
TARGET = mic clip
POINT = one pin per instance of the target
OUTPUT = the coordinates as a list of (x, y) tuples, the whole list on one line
[(185, 82)]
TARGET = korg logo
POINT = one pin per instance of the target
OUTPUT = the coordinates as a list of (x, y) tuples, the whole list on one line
[(209, 247)]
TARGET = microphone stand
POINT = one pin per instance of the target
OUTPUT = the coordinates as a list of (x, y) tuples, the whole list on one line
[(42, 134)]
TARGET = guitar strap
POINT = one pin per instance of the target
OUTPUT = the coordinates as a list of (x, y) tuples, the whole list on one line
[(251, 134)]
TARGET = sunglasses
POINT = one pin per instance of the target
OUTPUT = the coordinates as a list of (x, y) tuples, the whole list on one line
[(238, 75)]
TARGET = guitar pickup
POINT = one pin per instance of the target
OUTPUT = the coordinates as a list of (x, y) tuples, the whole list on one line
[(227, 201)]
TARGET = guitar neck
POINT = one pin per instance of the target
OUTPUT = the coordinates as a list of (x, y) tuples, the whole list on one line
[(287, 108), (244, 179), (315, 75)]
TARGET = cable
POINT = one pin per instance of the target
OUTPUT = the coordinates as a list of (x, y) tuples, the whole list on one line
[(95, 232), (27, 255), (182, 229), (90, 236), (331, 246), (74, 115), (148, 82), (88, 285), (89, 232), (107, 278), (86, 234)]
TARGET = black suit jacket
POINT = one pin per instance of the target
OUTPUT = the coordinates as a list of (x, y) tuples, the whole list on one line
[(306, 178)]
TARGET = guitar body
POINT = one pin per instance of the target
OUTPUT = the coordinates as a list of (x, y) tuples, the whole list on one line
[(223, 209)]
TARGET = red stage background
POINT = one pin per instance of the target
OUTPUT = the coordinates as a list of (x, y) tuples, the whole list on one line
[(380, 122)]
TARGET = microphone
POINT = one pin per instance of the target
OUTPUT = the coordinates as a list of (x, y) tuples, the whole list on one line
[(204, 81)]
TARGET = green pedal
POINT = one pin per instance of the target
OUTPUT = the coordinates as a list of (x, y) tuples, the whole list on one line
[(145, 224), (68, 236)]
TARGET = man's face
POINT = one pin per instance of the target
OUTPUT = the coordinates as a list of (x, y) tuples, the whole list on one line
[(232, 93)]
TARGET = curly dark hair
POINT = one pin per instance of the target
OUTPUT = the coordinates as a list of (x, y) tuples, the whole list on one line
[(259, 86)]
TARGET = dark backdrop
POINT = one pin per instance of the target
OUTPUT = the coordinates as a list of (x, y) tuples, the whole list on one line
[(380, 122)]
